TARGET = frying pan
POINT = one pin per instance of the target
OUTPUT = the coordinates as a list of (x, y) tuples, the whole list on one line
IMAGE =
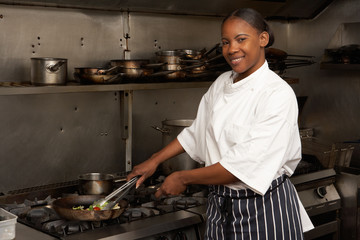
[(63, 207), (98, 71), (98, 78)]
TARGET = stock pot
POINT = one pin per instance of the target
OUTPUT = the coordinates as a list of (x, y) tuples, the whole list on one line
[(48, 71), (170, 129)]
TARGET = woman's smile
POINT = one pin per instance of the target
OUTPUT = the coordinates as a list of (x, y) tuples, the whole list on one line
[(235, 61)]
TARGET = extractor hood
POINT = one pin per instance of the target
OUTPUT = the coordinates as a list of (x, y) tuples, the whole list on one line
[(271, 9)]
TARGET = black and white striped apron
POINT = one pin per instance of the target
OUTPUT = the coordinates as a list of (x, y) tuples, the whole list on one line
[(244, 214)]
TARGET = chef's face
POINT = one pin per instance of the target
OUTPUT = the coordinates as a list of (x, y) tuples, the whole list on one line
[(243, 46)]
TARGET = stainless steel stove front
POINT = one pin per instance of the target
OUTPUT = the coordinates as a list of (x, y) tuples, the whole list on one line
[(322, 202)]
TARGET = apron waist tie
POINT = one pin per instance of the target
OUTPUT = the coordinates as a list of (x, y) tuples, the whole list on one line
[(226, 207)]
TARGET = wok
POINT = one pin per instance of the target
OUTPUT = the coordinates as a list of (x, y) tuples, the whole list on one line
[(63, 208)]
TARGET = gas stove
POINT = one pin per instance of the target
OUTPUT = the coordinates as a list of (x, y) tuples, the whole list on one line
[(173, 217)]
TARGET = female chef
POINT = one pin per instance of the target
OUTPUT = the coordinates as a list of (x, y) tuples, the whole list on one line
[(247, 135)]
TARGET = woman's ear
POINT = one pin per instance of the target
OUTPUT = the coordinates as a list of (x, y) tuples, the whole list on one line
[(264, 39)]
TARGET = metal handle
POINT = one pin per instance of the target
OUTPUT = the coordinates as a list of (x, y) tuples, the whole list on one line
[(211, 50), (114, 78), (106, 71), (56, 66), (162, 130)]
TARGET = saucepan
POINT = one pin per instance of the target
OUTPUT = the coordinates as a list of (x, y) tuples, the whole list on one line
[(64, 208), (48, 71), (97, 183)]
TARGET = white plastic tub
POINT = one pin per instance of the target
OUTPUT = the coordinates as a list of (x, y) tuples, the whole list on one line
[(7, 225)]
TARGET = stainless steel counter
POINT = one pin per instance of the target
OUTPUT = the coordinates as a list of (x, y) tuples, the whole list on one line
[(24, 232)]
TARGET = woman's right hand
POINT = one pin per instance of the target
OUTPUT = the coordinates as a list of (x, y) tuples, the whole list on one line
[(148, 168), (143, 170)]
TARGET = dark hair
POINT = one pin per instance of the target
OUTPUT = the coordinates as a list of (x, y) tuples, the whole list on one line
[(255, 19)]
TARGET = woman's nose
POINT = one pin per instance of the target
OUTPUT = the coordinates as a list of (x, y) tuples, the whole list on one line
[(233, 48)]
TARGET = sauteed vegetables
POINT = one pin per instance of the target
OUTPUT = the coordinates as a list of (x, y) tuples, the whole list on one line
[(94, 207)]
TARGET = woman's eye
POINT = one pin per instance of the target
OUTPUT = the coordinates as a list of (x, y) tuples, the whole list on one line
[(225, 43), (240, 40)]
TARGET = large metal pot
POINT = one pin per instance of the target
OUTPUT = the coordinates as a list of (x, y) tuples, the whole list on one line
[(48, 71), (170, 129), (96, 183)]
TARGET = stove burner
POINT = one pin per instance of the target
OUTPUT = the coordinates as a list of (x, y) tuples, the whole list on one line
[(186, 203), (54, 226), (20, 210), (40, 215), (74, 227), (165, 208), (141, 212), (37, 202)]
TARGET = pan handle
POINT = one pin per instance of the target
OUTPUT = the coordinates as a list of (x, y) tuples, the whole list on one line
[(106, 71), (154, 65), (162, 130), (114, 78), (211, 50), (55, 67)]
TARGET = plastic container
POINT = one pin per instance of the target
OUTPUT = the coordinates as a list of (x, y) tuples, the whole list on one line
[(7, 225)]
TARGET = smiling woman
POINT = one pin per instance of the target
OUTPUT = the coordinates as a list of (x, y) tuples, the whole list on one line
[(246, 132)]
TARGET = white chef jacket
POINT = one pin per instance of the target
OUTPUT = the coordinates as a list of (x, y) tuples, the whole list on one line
[(250, 127)]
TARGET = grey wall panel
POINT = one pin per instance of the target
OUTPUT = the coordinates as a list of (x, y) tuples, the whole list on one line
[(55, 137), (150, 33), (333, 103), (153, 107), (85, 38)]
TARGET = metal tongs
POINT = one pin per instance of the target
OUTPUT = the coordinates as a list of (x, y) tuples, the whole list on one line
[(124, 189)]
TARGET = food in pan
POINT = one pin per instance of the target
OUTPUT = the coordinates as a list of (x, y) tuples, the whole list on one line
[(94, 207)]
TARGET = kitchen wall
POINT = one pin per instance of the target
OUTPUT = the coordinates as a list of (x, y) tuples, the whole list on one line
[(333, 94), (55, 137), (50, 138)]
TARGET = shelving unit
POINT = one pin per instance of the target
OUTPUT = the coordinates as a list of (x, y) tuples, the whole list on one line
[(25, 90), (347, 34), (339, 66)]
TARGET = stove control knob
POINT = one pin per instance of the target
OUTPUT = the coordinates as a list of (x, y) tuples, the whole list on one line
[(321, 192)]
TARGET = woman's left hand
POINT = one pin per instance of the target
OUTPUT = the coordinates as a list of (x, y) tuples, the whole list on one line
[(172, 185)]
